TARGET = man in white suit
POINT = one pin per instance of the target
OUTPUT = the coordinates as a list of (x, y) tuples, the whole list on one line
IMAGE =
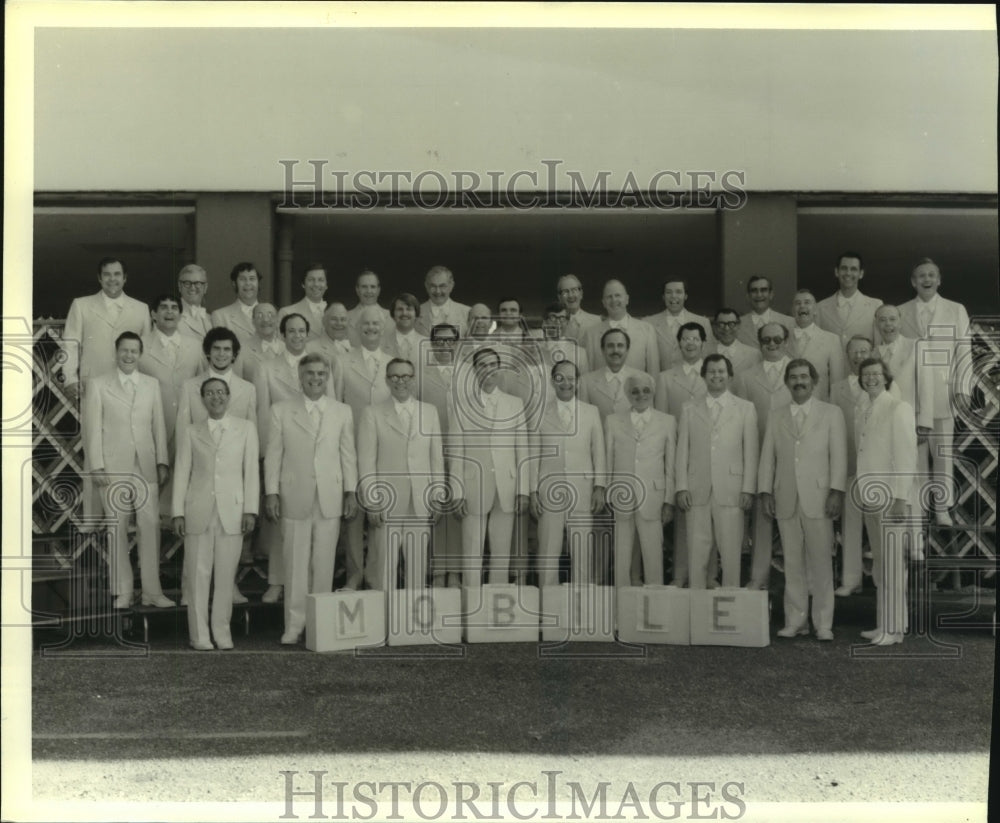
[(192, 282), (440, 308), (569, 444), (605, 387), (310, 478), (221, 348), (899, 354), (944, 360), (126, 441), (238, 315), (801, 482), (668, 322), (338, 338), (367, 287), (724, 326), (643, 353), (216, 497), (640, 458), (760, 293), (170, 357), (556, 346), (364, 385), (479, 323), (821, 348), (263, 344), (312, 305), (885, 431), (716, 472), (400, 450), (492, 467), (764, 386), (94, 323), (569, 290), (848, 312), (401, 339), (678, 385)]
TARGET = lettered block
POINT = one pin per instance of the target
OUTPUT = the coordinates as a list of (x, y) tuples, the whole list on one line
[(424, 616), (344, 620), (578, 613), (654, 614), (500, 614), (729, 617)]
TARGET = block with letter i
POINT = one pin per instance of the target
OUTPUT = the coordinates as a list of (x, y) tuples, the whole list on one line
[(420, 617), (654, 614), (345, 620), (730, 617), (500, 613), (578, 613)]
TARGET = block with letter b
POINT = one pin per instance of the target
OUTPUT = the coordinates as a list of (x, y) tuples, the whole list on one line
[(345, 620), (423, 616), (655, 614), (730, 617), (578, 613), (500, 613)]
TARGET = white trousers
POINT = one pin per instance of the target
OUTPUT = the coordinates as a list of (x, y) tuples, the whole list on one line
[(218, 552), (725, 525), (310, 547), (808, 548), (120, 499)]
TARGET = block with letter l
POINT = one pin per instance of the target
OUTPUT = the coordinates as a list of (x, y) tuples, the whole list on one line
[(655, 614), (345, 620), (424, 616), (578, 613), (500, 613), (729, 617)]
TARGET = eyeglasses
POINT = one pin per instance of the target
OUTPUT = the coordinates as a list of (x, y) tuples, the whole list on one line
[(570, 290), (766, 340), (216, 393), (399, 378), (727, 324), (192, 283)]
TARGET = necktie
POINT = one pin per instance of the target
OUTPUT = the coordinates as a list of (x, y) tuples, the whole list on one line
[(406, 418), (372, 368), (616, 386), (566, 417), (315, 416), (773, 375), (886, 351), (845, 310), (797, 416), (216, 433), (116, 310), (130, 389), (404, 349), (273, 347), (716, 411), (925, 319), (640, 426)]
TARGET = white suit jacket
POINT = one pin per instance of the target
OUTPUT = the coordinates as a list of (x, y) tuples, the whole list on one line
[(674, 388), (716, 463), (887, 447), (577, 324), (643, 353), (741, 355), (276, 381), (354, 323), (944, 357), (492, 456), (456, 314), (171, 376), (670, 352), (118, 432), (232, 317), (594, 388), (304, 307), (902, 362), (641, 467), (755, 385), (803, 467), (194, 329), (90, 333), (825, 352), (360, 389), (303, 462), (576, 454), (224, 476), (191, 410), (407, 459), (861, 320)]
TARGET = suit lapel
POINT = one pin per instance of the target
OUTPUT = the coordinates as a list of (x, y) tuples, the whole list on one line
[(392, 420), (202, 432)]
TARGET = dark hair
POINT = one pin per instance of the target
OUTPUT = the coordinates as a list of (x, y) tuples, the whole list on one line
[(107, 261), (725, 310), (868, 340), (715, 358), (400, 361), (239, 268), (757, 277), (286, 318), (861, 262), (216, 335), (798, 362), (442, 327), (877, 361), (317, 266), (628, 340), (154, 304), (213, 380), (128, 335), (784, 329), (691, 327), (407, 299), (558, 363), (314, 357), (554, 308), (482, 353), (680, 280)]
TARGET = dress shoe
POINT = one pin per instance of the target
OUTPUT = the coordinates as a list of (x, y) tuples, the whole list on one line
[(887, 639), (943, 519), (824, 634), (273, 594), (161, 601), (202, 647), (847, 591), (238, 597), (871, 634), (290, 638), (224, 643), (791, 631), (123, 601)]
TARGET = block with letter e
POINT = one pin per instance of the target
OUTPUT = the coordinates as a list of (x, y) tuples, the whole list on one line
[(500, 613), (578, 613), (345, 620), (729, 617), (424, 616), (654, 614)]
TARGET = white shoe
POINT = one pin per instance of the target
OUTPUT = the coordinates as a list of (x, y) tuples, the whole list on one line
[(238, 597), (123, 601), (273, 594), (871, 634), (887, 639), (791, 631), (847, 591)]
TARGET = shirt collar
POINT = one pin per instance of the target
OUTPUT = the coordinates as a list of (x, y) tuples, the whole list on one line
[(721, 401), (247, 310), (761, 319), (800, 331), (316, 404), (643, 416), (408, 404), (847, 301), (804, 408), (214, 424), (293, 359), (128, 378), (168, 340), (223, 376), (692, 368), (565, 405), (444, 308), (118, 301), (778, 365), (192, 310), (317, 307)]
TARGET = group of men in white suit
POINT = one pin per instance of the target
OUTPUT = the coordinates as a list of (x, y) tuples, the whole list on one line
[(663, 382)]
